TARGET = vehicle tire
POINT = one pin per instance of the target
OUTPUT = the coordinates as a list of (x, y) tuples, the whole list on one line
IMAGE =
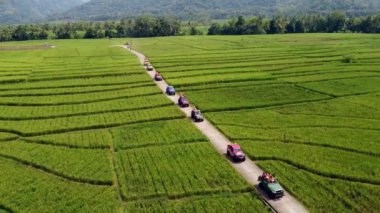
[(261, 186), (272, 196)]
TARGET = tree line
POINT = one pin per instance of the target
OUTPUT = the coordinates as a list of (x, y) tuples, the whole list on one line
[(334, 22), (146, 26)]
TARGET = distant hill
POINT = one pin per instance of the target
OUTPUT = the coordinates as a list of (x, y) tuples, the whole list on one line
[(25, 11), (200, 9)]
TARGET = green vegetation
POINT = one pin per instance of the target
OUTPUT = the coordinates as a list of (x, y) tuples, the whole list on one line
[(172, 172), (325, 193), (216, 9), (292, 103), (215, 203), (24, 188), (151, 26), (85, 129)]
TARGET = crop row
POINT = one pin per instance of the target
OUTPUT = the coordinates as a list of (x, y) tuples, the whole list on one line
[(71, 99), (320, 160), (67, 69), (344, 132), (250, 96), (57, 111), (87, 122), (346, 86), (175, 171), (212, 79), (71, 90), (196, 73), (24, 189), (89, 139), (77, 164), (156, 134), (244, 202), (322, 194), (84, 82), (126, 137), (314, 77), (250, 63), (82, 74)]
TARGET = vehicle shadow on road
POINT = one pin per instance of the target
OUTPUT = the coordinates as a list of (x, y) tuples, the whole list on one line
[(232, 160)]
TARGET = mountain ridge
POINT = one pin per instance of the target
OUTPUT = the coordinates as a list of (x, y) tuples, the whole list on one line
[(28, 11), (216, 9)]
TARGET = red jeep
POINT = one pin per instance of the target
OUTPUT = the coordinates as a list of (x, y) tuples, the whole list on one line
[(234, 152)]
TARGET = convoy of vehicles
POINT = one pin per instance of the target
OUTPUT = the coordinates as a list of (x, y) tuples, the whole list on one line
[(268, 182)]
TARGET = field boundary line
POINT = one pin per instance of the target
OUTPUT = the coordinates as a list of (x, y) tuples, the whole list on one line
[(82, 114), (5, 208), (76, 102), (62, 145), (91, 127), (70, 93), (57, 174), (308, 143), (321, 174), (136, 85), (248, 169), (143, 146), (115, 178)]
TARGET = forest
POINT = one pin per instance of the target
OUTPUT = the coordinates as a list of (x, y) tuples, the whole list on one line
[(148, 26)]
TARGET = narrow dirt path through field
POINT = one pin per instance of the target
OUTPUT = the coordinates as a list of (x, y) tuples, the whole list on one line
[(248, 169)]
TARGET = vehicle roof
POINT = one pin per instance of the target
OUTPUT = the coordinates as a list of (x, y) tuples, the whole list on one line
[(274, 187), (235, 145)]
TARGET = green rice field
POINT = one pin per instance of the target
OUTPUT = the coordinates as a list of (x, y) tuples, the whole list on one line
[(85, 129), (296, 107)]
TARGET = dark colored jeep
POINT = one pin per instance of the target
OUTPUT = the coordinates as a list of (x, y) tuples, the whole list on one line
[(170, 90), (183, 102), (269, 184), (196, 115)]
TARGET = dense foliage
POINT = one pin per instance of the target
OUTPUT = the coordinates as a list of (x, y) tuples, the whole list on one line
[(334, 22), (148, 26), (144, 26), (215, 9)]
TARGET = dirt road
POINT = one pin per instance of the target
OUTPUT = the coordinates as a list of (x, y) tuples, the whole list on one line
[(248, 169)]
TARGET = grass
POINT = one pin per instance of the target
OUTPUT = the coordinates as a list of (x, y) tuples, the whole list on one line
[(73, 117), (293, 103), (212, 203), (324, 194), (77, 164), (24, 188), (175, 171)]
